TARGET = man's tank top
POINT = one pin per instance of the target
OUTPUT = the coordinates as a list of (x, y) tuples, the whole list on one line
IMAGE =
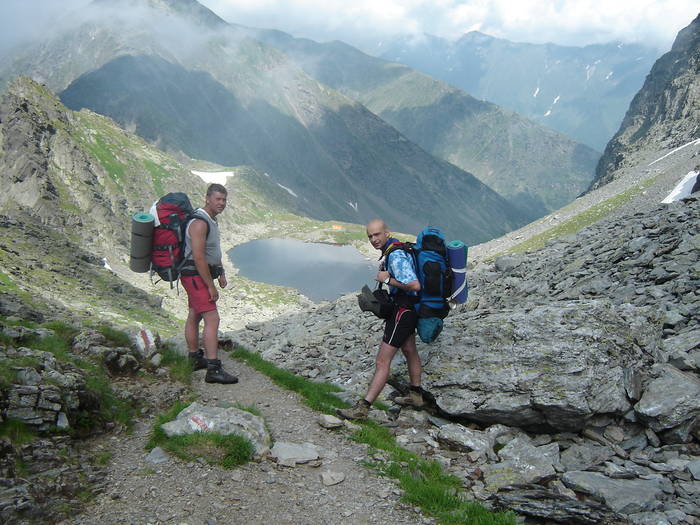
[(212, 248)]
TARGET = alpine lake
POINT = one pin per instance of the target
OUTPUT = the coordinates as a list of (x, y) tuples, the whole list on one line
[(322, 272)]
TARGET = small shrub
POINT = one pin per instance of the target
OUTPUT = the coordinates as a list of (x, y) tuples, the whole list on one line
[(114, 336), (179, 365), (16, 431)]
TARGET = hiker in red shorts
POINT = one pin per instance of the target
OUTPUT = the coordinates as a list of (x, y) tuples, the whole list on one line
[(202, 265)]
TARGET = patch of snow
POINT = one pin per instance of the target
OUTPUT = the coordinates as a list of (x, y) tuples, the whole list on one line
[(609, 75), (353, 205), (106, 264), (696, 141), (556, 100), (266, 174), (590, 71), (682, 189), (549, 112), (536, 92), (213, 177), (288, 190)]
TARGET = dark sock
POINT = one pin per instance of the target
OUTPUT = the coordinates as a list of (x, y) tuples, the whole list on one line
[(213, 362), (415, 388), (366, 403)]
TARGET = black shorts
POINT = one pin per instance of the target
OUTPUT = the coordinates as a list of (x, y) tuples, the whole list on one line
[(400, 326)]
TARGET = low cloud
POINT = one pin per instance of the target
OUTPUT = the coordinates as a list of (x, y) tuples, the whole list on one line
[(22, 21), (567, 22)]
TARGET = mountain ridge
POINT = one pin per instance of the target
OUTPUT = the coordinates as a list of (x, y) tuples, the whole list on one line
[(536, 168), (665, 114)]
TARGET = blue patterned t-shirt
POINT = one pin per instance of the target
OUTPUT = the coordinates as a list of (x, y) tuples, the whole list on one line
[(401, 268)]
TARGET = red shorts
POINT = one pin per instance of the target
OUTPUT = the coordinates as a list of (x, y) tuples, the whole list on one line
[(197, 294)]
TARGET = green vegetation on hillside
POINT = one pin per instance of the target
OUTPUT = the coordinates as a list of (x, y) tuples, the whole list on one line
[(106, 405), (581, 220)]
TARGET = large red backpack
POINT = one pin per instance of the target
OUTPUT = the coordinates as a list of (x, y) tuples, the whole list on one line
[(174, 211)]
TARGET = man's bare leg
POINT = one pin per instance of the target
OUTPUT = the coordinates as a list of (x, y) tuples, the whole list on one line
[(210, 333), (381, 371), (412, 360), (192, 330)]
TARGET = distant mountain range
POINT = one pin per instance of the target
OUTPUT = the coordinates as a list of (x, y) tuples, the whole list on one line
[(582, 92)]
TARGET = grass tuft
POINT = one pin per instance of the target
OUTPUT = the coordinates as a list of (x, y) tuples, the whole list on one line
[(425, 484), (228, 451), (318, 396), (62, 330), (180, 365), (114, 336), (16, 431), (103, 458)]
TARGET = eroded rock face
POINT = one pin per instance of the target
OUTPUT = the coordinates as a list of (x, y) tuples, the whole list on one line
[(45, 393), (665, 112)]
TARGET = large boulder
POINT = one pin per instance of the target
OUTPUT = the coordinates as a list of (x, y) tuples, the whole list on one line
[(626, 496), (545, 367)]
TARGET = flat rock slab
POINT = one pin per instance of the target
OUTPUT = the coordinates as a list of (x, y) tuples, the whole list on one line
[(157, 456), (627, 496), (329, 477), (292, 453), (200, 418)]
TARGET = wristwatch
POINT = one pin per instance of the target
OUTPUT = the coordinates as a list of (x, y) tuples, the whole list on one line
[(386, 281)]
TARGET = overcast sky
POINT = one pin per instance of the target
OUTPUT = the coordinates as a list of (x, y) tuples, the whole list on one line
[(567, 22), (365, 22)]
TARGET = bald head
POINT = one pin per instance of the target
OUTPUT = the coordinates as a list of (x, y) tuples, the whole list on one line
[(377, 233)]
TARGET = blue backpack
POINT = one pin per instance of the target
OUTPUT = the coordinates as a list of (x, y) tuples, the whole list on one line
[(429, 254)]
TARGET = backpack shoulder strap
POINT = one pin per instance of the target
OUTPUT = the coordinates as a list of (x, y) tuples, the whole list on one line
[(195, 215)]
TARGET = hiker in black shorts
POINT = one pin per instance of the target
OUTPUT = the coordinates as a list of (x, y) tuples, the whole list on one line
[(399, 274)]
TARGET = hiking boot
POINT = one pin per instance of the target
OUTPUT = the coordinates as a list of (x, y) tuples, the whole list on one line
[(359, 410), (197, 359), (413, 399), (216, 373)]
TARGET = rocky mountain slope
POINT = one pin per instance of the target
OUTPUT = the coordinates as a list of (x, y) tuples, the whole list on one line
[(591, 346), (582, 92), (665, 114), (72, 181), (213, 94), (537, 169)]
